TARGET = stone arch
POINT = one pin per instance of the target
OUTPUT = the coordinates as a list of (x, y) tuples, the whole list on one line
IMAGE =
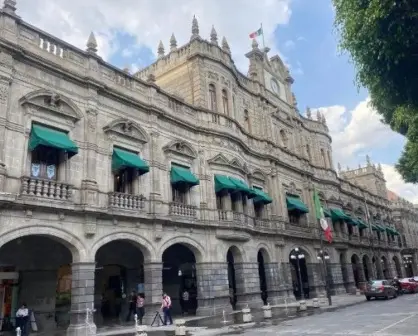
[(398, 267), (143, 244), (259, 175), (181, 147), (197, 249), (385, 268), (308, 253), (265, 252), (237, 253), (37, 97), (72, 242), (128, 128)]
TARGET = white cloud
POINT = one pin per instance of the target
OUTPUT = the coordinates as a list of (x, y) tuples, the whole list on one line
[(359, 132), (152, 20), (289, 44)]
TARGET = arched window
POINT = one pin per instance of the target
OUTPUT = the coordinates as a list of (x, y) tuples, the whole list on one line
[(247, 120), (212, 97), (324, 161), (329, 159), (225, 102)]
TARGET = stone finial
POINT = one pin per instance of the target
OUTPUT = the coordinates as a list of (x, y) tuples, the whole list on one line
[(195, 29), (151, 78), (369, 163), (127, 69), (379, 167), (173, 43), (225, 46), (308, 113), (318, 116), (254, 44), (295, 102), (91, 44), (339, 167), (213, 36), (324, 121), (160, 50), (9, 6)]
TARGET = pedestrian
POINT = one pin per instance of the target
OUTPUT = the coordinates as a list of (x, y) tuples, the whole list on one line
[(185, 302), (166, 306), (140, 310), (132, 305), (22, 319)]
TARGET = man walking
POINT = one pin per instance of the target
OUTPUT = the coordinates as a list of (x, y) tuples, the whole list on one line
[(132, 305), (166, 306)]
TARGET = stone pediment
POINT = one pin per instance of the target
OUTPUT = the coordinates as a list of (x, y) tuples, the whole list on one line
[(52, 102), (232, 235), (182, 148), (127, 128), (257, 174), (222, 160)]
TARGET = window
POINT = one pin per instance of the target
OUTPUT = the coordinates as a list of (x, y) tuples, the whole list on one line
[(258, 210), (45, 162), (329, 159), (294, 218), (308, 152), (124, 180), (247, 120), (179, 193), (212, 97), (324, 161), (283, 138), (244, 204), (219, 201), (225, 102)]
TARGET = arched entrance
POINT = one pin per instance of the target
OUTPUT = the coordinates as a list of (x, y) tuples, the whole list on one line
[(385, 268), (367, 268), (36, 270), (179, 278), (261, 257), (232, 256), (397, 265), (408, 261), (344, 270), (355, 263), (299, 270), (119, 271), (377, 267)]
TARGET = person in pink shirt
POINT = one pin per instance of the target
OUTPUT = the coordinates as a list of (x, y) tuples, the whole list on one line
[(140, 310), (166, 307)]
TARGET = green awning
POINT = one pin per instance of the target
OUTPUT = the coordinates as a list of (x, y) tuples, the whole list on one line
[(327, 213), (124, 159), (352, 221), (361, 224), (339, 215), (261, 196), (392, 231), (223, 182), (296, 204), (48, 137), (375, 228), (379, 228), (182, 175), (242, 187)]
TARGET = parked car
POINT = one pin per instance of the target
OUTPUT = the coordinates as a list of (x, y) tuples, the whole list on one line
[(380, 289), (409, 285)]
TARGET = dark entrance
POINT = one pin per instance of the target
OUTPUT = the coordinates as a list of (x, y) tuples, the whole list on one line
[(119, 271), (179, 278), (262, 276), (299, 271), (35, 267), (397, 266), (233, 255), (355, 263)]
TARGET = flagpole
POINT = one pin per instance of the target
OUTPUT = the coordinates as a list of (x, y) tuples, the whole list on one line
[(262, 33)]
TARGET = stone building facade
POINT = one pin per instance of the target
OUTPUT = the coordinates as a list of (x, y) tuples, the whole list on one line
[(101, 168)]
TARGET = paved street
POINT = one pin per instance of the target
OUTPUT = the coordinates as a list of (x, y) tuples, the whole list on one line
[(398, 317)]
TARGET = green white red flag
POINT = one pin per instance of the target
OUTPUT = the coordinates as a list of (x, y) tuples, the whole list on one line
[(256, 33), (320, 216)]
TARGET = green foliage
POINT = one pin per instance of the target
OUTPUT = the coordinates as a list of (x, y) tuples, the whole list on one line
[(382, 38)]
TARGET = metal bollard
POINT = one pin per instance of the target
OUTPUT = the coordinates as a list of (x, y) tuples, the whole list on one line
[(267, 311), (315, 303), (246, 315), (303, 305), (358, 293), (180, 327), (18, 331)]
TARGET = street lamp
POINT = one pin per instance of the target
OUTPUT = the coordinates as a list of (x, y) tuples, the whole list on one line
[(324, 257), (297, 255)]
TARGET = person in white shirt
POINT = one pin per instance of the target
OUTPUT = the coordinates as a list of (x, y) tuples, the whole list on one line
[(22, 318)]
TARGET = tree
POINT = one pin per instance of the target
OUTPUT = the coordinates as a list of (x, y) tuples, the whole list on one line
[(381, 36)]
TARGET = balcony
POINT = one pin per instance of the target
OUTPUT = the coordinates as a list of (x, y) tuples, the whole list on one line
[(48, 189), (126, 201), (183, 210)]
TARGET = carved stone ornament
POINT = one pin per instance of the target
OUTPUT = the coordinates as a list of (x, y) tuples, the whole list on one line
[(92, 120), (234, 163), (182, 148), (126, 128), (52, 102)]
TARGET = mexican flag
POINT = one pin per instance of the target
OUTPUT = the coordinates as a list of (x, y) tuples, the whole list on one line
[(319, 213), (256, 33)]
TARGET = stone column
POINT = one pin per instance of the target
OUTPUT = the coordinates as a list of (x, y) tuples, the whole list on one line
[(153, 289), (276, 291), (212, 288), (82, 300), (248, 285), (316, 278)]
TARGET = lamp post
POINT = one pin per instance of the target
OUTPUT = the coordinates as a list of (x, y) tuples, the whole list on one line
[(297, 255), (324, 257)]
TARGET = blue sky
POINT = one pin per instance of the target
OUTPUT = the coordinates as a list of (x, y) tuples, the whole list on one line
[(301, 30)]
